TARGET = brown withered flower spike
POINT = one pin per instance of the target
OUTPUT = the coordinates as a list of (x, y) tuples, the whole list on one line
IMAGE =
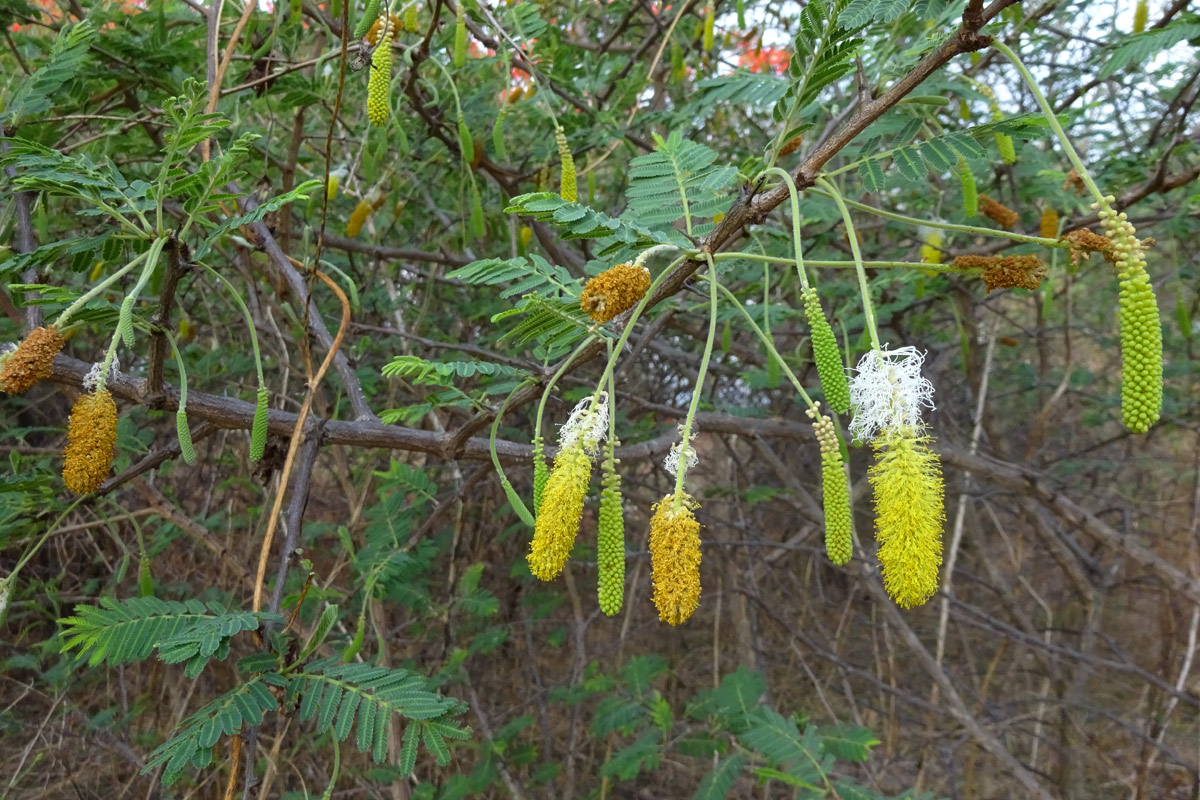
[(1014, 272), (1083, 243), (31, 361), (614, 291), (999, 213)]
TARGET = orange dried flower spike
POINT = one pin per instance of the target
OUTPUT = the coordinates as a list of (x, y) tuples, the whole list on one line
[(999, 213), (614, 291), (91, 437), (32, 360)]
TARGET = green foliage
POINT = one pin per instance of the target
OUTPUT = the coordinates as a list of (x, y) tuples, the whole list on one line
[(576, 221), (229, 714), (533, 274), (70, 53), (1140, 48), (677, 181), (360, 697), (859, 13), (825, 51), (123, 631), (419, 370)]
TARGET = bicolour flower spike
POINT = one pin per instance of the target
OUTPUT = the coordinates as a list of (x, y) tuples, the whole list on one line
[(889, 393), (91, 381), (587, 425), (561, 506), (681, 450)]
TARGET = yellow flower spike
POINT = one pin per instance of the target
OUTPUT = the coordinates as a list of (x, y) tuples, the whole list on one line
[(32, 361), (675, 558), (931, 248), (357, 218), (909, 514), (558, 516), (91, 437), (1048, 226)]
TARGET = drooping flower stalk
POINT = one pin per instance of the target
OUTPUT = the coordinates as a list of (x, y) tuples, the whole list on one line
[(888, 394), (1141, 329), (830, 369), (557, 522)]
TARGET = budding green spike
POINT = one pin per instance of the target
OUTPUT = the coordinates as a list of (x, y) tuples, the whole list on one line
[(838, 543), (1008, 152), (370, 14), (568, 190), (1141, 329), (185, 437), (466, 144), (411, 23), (540, 473), (258, 431), (356, 644), (969, 191), (460, 35), (125, 321), (825, 353), (610, 542), (145, 579), (498, 135)]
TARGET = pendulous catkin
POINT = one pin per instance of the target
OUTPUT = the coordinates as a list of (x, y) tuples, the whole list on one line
[(791, 145), (1008, 150), (1141, 330), (1141, 15), (357, 218), (185, 437), (568, 190), (1005, 272), (540, 473), (393, 24), (1049, 224), (839, 545), (825, 352), (999, 213), (498, 135), (909, 513), (32, 361), (710, 21), (675, 558), (559, 512), (380, 81), (969, 191), (460, 34), (258, 429), (614, 291), (466, 144), (91, 437), (610, 540), (370, 14)]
